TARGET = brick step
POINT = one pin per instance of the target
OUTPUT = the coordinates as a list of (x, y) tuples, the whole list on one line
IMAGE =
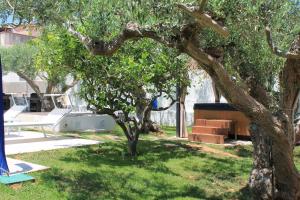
[(210, 130), (207, 138), (214, 123)]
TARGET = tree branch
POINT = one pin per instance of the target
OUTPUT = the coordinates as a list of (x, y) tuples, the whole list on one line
[(108, 48), (202, 5), (66, 87), (204, 19), (30, 82), (276, 50)]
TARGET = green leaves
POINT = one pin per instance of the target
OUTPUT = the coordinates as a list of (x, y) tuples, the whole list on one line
[(117, 82), (19, 58), (246, 53)]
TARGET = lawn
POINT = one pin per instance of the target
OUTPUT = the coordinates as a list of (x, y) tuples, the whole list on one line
[(164, 169)]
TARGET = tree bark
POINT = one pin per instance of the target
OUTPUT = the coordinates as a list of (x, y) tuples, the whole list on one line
[(143, 113), (34, 86), (261, 178), (48, 104), (216, 92), (274, 175), (183, 129), (132, 147), (131, 135)]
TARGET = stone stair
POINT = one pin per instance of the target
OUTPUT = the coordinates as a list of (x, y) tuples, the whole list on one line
[(211, 131)]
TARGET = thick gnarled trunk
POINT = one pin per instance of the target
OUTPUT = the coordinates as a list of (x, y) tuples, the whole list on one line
[(262, 177), (274, 175)]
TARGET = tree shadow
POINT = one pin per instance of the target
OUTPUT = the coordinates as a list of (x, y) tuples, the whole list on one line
[(109, 157), (241, 151), (108, 185), (150, 154)]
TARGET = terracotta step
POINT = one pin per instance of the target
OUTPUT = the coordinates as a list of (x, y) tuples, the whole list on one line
[(208, 138), (214, 123), (210, 130)]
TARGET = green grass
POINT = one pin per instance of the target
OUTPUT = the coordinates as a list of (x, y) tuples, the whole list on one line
[(164, 169)]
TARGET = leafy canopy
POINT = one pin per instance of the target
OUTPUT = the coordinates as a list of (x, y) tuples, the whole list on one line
[(19, 58), (245, 54)]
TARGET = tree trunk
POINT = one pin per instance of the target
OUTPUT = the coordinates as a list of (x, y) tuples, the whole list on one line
[(183, 129), (143, 116), (34, 87), (143, 113), (261, 178), (48, 104), (132, 147), (132, 137), (216, 93), (274, 175)]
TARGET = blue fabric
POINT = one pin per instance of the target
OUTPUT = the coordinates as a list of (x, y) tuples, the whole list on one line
[(3, 162), (155, 104)]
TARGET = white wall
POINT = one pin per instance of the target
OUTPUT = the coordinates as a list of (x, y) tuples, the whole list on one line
[(200, 91)]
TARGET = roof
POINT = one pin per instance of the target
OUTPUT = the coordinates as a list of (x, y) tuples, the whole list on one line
[(22, 30)]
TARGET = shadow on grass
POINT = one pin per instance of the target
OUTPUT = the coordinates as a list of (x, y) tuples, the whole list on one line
[(109, 185), (241, 151), (114, 153), (110, 174)]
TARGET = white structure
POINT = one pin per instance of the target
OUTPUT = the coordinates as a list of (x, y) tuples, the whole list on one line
[(79, 120), (200, 91)]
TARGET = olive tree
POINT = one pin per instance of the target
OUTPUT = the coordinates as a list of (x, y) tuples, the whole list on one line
[(125, 85), (227, 39), (24, 60)]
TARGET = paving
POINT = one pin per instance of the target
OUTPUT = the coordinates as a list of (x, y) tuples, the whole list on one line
[(19, 166), (29, 141)]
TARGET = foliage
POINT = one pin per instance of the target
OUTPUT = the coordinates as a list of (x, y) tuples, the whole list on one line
[(246, 54), (116, 83), (19, 58), (133, 77), (56, 56), (35, 59), (129, 82)]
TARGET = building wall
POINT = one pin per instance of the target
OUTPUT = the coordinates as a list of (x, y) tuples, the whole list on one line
[(8, 39)]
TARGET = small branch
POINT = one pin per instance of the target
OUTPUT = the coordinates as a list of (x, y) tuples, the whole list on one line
[(31, 83), (66, 87), (276, 50), (8, 2), (85, 40), (202, 5), (204, 19), (103, 111)]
